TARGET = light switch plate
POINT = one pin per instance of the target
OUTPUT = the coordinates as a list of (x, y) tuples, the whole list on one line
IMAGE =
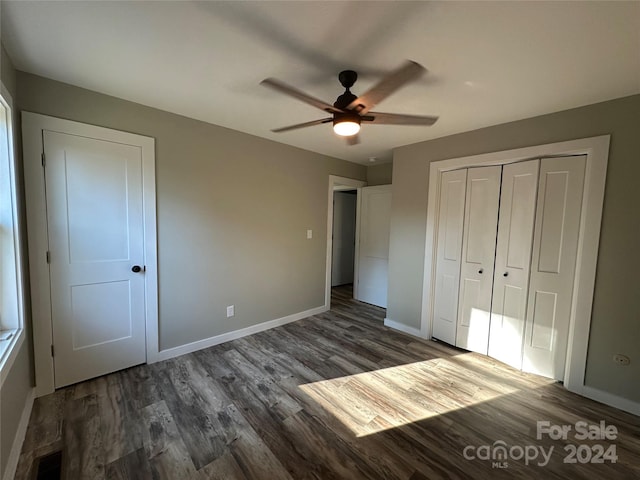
[(309, 234)]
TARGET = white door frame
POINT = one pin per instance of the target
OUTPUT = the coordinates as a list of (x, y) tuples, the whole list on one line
[(32, 127), (337, 183), (597, 151)]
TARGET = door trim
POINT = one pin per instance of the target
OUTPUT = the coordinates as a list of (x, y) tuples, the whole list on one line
[(597, 151), (337, 183), (33, 125)]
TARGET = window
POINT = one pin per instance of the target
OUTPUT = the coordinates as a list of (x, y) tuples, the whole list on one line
[(11, 298)]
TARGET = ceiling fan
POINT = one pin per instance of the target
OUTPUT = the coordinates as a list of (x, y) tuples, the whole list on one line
[(349, 111)]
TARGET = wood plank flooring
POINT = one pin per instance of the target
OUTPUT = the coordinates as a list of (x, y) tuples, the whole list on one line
[(334, 396)]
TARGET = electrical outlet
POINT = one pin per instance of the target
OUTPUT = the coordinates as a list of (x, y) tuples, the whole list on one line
[(231, 311), (621, 359), (309, 234)]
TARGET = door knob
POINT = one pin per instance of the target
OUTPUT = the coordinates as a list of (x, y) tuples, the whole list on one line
[(505, 274), (136, 269), (480, 271)]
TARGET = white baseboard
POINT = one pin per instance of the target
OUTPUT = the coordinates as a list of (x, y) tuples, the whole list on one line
[(611, 399), (416, 332), (243, 332), (18, 440)]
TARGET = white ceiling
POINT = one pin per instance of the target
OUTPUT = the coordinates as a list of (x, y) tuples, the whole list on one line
[(488, 62)]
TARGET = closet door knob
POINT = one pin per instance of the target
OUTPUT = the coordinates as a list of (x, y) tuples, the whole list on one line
[(505, 274), (480, 271)]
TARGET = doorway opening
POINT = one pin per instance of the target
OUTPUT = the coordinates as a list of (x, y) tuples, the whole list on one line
[(343, 249), (342, 276)]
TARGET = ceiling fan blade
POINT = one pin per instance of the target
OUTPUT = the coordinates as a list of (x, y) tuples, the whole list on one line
[(406, 73), (398, 119), (300, 95), (303, 125), (353, 139)]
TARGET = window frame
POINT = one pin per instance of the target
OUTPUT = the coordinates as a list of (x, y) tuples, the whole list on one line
[(10, 348)]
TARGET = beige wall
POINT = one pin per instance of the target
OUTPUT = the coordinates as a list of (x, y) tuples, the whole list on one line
[(17, 384), (379, 174), (7, 70), (616, 310), (233, 211)]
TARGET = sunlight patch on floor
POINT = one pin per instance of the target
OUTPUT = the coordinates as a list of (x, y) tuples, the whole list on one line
[(379, 400)]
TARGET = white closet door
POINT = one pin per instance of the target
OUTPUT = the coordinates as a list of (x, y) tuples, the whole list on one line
[(373, 252), (449, 248), (553, 264), (478, 255), (513, 261)]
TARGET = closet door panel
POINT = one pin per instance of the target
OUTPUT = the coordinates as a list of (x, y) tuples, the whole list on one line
[(449, 250), (478, 254), (473, 326), (553, 265), (513, 260)]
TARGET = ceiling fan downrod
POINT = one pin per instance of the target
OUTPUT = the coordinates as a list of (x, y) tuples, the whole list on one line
[(347, 78)]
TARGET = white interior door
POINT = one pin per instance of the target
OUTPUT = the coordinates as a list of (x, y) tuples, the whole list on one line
[(513, 261), (373, 252), (344, 237), (453, 188), (95, 228), (478, 255), (553, 264)]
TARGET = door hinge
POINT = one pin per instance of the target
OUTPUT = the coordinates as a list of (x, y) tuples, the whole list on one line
[(48, 256), (44, 161), (52, 351)]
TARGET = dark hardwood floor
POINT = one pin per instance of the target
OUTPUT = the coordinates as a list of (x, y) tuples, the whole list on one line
[(334, 396)]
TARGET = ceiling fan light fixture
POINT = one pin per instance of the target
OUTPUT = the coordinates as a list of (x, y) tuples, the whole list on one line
[(346, 124)]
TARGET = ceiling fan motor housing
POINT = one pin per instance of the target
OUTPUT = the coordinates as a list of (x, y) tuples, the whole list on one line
[(346, 117)]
